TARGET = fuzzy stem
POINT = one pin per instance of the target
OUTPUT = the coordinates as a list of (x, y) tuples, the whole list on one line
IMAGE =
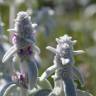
[(24, 92), (12, 14), (69, 87)]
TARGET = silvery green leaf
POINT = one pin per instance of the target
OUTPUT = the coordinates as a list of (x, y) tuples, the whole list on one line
[(79, 76), (36, 48), (78, 52), (34, 25), (37, 60), (7, 88), (51, 49), (32, 73), (42, 92), (44, 84), (12, 30), (82, 93), (65, 61), (58, 90), (41, 88), (9, 53), (48, 72)]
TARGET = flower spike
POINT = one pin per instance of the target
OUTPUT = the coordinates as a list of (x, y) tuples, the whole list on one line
[(64, 69)]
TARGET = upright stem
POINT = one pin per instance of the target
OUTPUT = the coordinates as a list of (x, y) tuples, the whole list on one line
[(29, 5), (69, 87), (24, 92), (12, 14)]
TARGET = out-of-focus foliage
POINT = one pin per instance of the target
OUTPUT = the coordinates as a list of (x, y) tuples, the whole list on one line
[(74, 17)]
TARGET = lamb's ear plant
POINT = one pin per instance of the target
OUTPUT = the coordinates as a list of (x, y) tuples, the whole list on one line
[(45, 16), (64, 69), (24, 47)]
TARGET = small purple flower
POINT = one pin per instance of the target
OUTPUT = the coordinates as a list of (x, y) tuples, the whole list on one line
[(14, 38), (21, 79), (29, 49), (25, 51), (21, 52)]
